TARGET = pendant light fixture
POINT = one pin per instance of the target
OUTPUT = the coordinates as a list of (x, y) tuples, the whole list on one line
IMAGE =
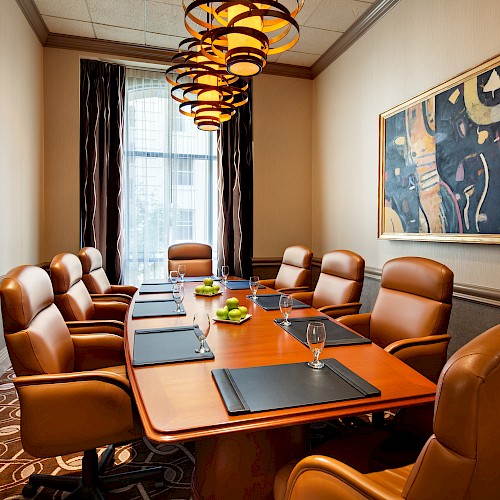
[(241, 34), (202, 86)]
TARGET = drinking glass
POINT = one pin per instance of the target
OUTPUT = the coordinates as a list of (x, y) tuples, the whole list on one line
[(178, 294), (316, 336), (225, 273), (182, 271), (254, 286), (201, 325), (174, 277), (286, 305)]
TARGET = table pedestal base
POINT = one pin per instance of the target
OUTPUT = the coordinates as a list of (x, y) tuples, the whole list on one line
[(243, 465)]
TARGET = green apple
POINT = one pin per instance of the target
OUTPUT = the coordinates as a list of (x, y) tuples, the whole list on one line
[(207, 290), (199, 289), (232, 303), (216, 288), (243, 311), (227, 310), (234, 314), (208, 281), (222, 313)]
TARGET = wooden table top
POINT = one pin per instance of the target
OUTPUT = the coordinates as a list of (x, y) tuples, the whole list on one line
[(180, 401)]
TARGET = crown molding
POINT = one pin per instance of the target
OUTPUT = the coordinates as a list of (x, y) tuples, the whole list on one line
[(34, 19), (356, 31)]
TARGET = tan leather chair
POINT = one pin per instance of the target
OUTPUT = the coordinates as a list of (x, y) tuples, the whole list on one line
[(95, 279), (339, 286), (72, 386), (196, 256), (460, 460), (295, 271), (72, 297), (411, 314)]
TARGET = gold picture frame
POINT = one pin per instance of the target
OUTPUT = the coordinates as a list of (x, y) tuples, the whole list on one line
[(439, 163)]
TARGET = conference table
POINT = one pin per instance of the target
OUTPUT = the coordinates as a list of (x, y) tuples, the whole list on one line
[(237, 456)]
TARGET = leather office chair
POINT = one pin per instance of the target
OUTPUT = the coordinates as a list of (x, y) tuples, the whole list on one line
[(196, 256), (72, 297), (411, 314), (295, 271), (460, 460), (72, 386), (95, 279), (339, 286)]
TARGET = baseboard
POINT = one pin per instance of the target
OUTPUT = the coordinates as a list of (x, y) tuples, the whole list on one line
[(4, 360)]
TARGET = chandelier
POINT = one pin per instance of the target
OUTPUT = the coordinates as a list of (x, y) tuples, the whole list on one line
[(202, 86), (241, 34)]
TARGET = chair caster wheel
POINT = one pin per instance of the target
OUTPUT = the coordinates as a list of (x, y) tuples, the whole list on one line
[(29, 491)]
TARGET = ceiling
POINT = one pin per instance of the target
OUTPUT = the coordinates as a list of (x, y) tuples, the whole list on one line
[(160, 23)]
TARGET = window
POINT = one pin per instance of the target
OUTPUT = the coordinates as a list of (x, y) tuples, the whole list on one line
[(170, 178)]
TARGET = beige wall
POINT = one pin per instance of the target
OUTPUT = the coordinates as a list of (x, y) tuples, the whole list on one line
[(21, 139), (282, 122), (414, 47)]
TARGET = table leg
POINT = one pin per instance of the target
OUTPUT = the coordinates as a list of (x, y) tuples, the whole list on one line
[(243, 465)]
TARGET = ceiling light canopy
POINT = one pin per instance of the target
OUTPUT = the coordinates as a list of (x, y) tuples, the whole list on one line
[(202, 86), (241, 34)]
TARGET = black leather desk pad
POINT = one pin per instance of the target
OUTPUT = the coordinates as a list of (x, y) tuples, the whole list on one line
[(271, 302), (167, 345), (153, 308), (239, 285), (156, 288), (264, 388), (335, 334)]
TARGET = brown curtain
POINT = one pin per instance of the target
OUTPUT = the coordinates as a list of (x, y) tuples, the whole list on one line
[(235, 174), (102, 97)]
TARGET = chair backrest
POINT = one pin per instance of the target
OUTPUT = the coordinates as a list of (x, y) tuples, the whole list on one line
[(461, 459), (37, 338), (295, 269), (71, 295), (196, 256), (414, 300), (340, 280), (93, 275)]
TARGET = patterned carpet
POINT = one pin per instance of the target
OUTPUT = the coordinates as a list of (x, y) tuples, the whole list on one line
[(16, 465)]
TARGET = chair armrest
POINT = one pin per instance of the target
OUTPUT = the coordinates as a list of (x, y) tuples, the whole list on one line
[(110, 310), (341, 309), (108, 297), (293, 289), (125, 289), (318, 476), (96, 326), (268, 283), (306, 297), (360, 323), (426, 355), (94, 351), (69, 412)]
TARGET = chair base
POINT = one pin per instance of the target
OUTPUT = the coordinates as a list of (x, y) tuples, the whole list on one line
[(92, 484)]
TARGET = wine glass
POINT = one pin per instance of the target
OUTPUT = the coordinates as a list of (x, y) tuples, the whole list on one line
[(201, 325), (174, 277), (181, 269), (254, 286), (316, 336), (286, 305), (178, 294), (225, 273)]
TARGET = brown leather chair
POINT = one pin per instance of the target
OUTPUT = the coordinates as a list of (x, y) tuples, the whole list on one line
[(295, 271), (72, 297), (339, 286), (411, 314), (95, 279), (196, 256), (72, 386), (460, 460)]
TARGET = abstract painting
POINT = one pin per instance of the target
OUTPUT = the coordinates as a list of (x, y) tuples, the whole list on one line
[(439, 176)]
